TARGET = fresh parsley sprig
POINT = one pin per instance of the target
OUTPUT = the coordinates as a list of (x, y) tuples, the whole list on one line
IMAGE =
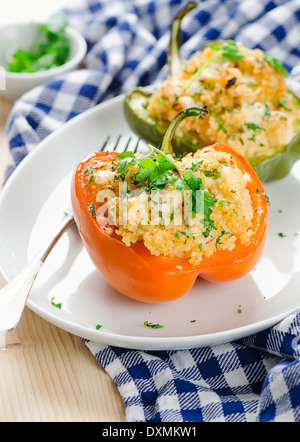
[(268, 58), (153, 169), (274, 63), (156, 169)]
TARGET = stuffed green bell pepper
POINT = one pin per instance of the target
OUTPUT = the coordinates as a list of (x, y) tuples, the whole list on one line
[(245, 91)]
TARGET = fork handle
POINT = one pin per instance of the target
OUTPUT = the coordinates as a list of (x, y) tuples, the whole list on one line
[(13, 296)]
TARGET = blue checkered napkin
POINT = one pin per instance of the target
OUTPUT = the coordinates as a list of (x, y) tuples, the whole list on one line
[(258, 378)]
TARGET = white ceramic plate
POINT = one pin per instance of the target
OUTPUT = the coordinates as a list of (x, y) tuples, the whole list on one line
[(32, 203)]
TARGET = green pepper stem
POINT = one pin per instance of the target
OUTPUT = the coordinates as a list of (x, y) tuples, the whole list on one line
[(174, 60), (166, 143)]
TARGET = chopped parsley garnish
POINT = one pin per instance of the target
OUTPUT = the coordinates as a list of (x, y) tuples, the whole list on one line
[(151, 325), (187, 234), (274, 63), (92, 172), (221, 127), (223, 202), (281, 235), (253, 126), (267, 111), (260, 193), (253, 138), (229, 51), (57, 305), (223, 233), (91, 209), (281, 103), (251, 84), (160, 100), (98, 326), (212, 173), (88, 170)]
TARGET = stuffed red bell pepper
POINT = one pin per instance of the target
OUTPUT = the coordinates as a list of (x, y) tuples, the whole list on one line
[(152, 224)]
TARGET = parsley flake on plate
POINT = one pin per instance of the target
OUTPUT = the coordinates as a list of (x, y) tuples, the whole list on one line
[(151, 325), (57, 305)]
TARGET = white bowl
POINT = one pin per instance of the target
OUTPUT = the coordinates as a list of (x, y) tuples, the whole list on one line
[(23, 36)]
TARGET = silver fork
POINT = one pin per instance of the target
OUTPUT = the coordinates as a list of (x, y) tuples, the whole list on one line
[(124, 143), (13, 295)]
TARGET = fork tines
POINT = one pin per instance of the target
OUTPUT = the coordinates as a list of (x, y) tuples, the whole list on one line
[(123, 143)]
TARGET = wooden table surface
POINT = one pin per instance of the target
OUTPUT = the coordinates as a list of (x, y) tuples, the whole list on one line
[(47, 374)]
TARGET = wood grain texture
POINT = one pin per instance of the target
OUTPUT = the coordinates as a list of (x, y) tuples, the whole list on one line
[(47, 374)]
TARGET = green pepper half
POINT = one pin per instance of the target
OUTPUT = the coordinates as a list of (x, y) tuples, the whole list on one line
[(144, 125), (273, 165)]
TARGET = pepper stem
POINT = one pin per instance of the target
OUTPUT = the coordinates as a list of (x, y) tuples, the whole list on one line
[(198, 112), (174, 60)]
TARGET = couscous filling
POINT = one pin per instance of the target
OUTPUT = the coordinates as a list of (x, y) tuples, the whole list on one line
[(189, 208), (250, 106)]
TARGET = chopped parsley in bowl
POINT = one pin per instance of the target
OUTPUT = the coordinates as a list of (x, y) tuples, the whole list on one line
[(50, 49), (32, 54)]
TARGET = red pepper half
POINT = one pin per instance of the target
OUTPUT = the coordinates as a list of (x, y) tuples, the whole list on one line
[(138, 274)]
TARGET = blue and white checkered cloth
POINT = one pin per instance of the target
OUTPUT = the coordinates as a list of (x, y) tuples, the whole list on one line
[(255, 379)]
